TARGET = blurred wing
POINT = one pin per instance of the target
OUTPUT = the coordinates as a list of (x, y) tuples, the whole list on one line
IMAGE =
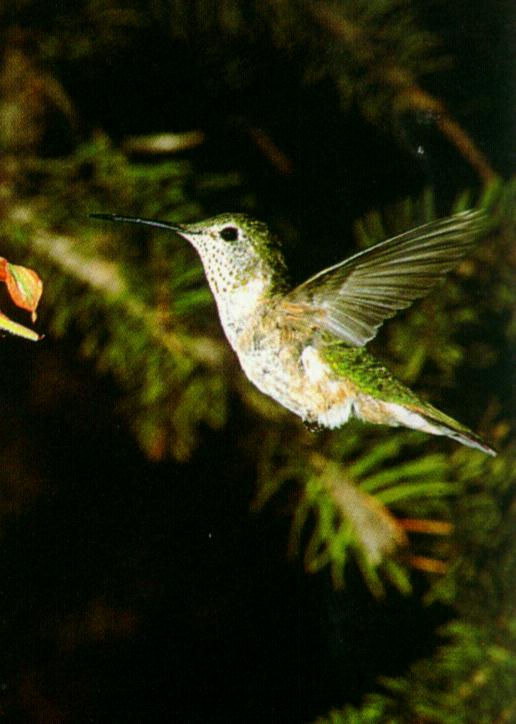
[(353, 298)]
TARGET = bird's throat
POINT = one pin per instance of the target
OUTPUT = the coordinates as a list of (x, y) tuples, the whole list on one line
[(240, 307)]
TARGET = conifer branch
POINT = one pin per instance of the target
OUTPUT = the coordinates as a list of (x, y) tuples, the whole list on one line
[(105, 277), (408, 94)]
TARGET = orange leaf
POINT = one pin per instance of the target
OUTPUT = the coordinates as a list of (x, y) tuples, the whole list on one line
[(24, 285), (25, 289)]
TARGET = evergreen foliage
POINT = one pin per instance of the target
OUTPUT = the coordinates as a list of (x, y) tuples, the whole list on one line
[(471, 676), (135, 302)]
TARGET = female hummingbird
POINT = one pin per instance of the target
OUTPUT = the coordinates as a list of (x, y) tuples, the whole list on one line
[(305, 346)]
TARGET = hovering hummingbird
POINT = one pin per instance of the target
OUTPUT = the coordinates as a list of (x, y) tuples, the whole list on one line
[(305, 346)]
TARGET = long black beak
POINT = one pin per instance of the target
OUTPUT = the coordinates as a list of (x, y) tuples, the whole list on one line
[(147, 222)]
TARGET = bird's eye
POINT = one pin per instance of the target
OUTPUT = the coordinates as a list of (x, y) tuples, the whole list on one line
[(229, 233)]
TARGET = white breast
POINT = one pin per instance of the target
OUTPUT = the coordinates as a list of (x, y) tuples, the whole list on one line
[(237, 306)]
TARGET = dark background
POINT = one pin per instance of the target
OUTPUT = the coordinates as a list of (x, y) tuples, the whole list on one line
[(191, 609)]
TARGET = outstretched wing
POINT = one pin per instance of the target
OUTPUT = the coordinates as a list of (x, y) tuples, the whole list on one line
[(353, 298)]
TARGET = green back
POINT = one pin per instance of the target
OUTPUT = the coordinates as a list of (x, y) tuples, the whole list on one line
[(361, 368), (356, 364)]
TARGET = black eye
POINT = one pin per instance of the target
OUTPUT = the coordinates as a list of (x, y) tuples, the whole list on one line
[(229, 233)]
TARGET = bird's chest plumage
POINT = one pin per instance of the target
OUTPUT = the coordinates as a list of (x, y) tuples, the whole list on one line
[(292, 371), (283, 363)]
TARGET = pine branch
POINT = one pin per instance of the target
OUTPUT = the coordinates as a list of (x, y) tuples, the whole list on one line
[(407, 94), (176, 378), (471, 675), (354, 497), (131, 313), (350, 489), (386, 52), (106, 279)]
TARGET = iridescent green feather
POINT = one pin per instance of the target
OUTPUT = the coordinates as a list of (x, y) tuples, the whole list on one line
[(372, 378)]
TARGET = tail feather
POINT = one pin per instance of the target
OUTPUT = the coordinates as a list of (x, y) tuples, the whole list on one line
[(470, 439), (446, 425), (429, 419)]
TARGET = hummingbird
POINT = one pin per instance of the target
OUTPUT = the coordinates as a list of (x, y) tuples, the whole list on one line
[(305, 346)]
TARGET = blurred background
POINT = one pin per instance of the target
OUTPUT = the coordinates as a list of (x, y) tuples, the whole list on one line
[(175, 546)]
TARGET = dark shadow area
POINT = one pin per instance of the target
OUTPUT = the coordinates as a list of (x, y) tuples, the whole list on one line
[(136, 591), (214, 623)]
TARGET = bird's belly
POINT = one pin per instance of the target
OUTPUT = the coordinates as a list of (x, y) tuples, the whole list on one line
[(297, 378), (278, 377)]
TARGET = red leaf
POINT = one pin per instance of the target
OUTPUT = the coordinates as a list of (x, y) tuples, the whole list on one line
[(24, 285), (25, 289)]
